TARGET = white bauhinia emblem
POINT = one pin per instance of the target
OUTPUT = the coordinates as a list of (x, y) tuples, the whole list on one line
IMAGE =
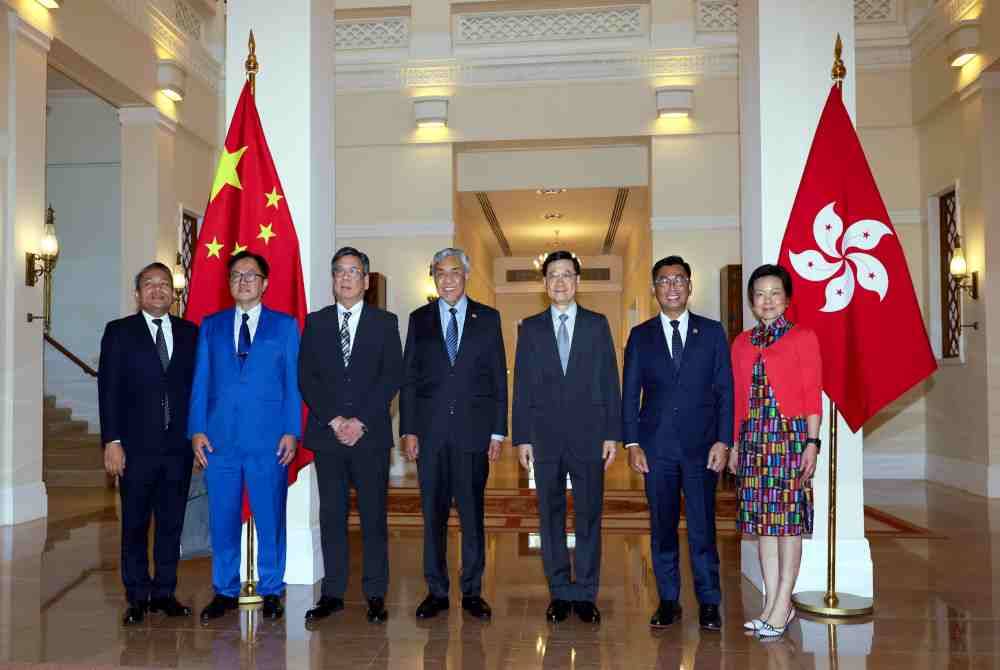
[(864, 269)]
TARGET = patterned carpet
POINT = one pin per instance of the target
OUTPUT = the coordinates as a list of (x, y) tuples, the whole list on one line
[(516, 510)]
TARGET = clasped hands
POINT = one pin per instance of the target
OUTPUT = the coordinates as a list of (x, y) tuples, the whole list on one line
[(348, 431)]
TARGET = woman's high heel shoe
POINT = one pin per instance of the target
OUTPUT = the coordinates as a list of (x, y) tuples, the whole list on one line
[(766, 630)]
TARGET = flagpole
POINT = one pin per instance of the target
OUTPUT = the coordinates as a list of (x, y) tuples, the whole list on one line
[(248, 595), (830, 603)]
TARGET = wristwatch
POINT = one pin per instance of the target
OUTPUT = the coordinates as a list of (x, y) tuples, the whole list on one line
[(813, 440)]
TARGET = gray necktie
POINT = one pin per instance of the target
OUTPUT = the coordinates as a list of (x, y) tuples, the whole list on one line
[(562, 341), (161, 351)]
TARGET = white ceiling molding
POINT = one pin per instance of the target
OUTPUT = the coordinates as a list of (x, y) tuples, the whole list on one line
[(389, 32), (905, 217), (176, 27), (37, 37), (939, 21), (663, 224), (400, 230)]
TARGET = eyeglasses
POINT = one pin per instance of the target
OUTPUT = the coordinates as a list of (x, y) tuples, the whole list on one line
[(353, 272), (555, 276), (244, 277), (676, 281)]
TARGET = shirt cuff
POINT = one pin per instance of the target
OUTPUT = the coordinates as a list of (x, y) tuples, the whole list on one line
[(498, 438), (631, 444)]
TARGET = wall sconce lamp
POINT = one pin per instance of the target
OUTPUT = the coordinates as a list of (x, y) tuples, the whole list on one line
[(431, 112), (180, 279), (959, 270), (41, 263), (963, 43), (50, 4), (171, 79), (674, 102)]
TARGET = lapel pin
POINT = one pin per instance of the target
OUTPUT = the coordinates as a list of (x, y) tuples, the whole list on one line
[(695, 331), (474, 315)]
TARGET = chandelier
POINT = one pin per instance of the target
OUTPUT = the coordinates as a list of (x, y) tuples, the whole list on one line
[(539, 260)]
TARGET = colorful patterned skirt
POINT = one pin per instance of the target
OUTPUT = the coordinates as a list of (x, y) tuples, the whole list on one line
[(772, 501)]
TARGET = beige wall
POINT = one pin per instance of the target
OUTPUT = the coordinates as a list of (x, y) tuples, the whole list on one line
[(707, 252)]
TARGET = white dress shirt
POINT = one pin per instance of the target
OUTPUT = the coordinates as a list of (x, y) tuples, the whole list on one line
[(168, 333), (570, 322), (254, 313), (352, 323), (668, 330)]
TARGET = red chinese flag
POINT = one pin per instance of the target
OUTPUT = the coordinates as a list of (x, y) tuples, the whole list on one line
[(851, 283), (247, 210)]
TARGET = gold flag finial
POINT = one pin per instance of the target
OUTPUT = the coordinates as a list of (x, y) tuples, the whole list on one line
[(839, 71), (251, 64)]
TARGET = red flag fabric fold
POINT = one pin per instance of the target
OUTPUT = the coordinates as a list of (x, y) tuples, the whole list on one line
[(851, 283)]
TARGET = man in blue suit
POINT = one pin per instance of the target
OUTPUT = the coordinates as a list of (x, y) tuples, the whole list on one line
[(245, 419), (679, 436)]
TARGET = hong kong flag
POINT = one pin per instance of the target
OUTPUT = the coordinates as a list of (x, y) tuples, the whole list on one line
[(850, 279), (247, 210)]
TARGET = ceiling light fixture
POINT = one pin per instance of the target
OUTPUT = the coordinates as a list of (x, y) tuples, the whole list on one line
[(963, 43), (49, 4), (539, 260), (171, 79), (430, 112), (550, 191)]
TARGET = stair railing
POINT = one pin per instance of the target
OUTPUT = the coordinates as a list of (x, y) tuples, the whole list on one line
[(76, 360)]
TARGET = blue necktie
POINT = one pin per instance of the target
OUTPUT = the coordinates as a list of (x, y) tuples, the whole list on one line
[(451, 339), (676, 345), (244, 348)]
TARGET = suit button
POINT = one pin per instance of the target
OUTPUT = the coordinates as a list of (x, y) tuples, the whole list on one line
[(451, 374), (347, 379)]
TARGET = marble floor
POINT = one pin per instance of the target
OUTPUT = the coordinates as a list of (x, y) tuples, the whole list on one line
[(938, 604)]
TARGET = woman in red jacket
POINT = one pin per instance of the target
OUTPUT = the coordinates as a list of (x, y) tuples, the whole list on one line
[(777, 408)]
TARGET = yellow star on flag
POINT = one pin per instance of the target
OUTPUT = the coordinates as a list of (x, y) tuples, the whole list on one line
[(237, 248), (273, 197), (266, 233), (226, 172), (213, 248)]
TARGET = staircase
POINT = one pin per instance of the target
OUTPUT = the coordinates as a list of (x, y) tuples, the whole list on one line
[(72, 456)]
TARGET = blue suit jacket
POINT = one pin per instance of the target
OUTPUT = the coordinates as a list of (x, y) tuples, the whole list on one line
[(692, 407), (252, 406)]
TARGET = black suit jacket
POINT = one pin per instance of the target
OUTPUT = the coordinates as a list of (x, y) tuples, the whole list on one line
[(466, 403), (691, 408), (575, 412), (131, 383), (363, 390)]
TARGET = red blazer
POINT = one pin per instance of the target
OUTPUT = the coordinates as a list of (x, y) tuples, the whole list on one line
[(794, 370)]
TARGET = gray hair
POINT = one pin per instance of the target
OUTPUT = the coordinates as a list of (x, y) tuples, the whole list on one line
[(449, 252)]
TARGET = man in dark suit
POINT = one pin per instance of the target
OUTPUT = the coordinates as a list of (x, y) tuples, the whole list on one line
[(567, 420), (246, 419), (350, 367), (453, 420), (679, 436), (144, 385)]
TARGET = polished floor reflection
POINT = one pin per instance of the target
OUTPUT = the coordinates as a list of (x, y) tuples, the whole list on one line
[(938, 605)]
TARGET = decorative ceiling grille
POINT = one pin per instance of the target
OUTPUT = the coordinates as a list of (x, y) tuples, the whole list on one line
[(385, 33), (718, 16), (499, 27)]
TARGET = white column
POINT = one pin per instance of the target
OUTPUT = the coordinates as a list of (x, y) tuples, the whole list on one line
[(149, 195), (786, 53), (23, 63), (295, 100)]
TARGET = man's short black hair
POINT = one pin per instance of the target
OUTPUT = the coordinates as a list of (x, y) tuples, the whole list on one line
[(769, 270), (350, 251), (671, 260), (265, 269), (560, 255), (156, 265)]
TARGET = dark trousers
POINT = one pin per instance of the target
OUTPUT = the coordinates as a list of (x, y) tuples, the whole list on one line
[(367, 470), (445, 473), (587, 478), (155, 484), (668, 476)]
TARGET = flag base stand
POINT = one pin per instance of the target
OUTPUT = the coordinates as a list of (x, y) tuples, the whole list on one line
[(833, 605), (249, 596)]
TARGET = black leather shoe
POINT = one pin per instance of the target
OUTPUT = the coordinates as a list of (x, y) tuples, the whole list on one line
[(558, 610), (134, 614), (376, 610), (326, 606), (218, 607), (273, 609), (669, 612), (431, 606), (169, 606), (587, 611), (708, 618), (477, 607)]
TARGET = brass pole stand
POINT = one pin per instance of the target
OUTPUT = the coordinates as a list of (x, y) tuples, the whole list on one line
[(249, 596), (830, 603)]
